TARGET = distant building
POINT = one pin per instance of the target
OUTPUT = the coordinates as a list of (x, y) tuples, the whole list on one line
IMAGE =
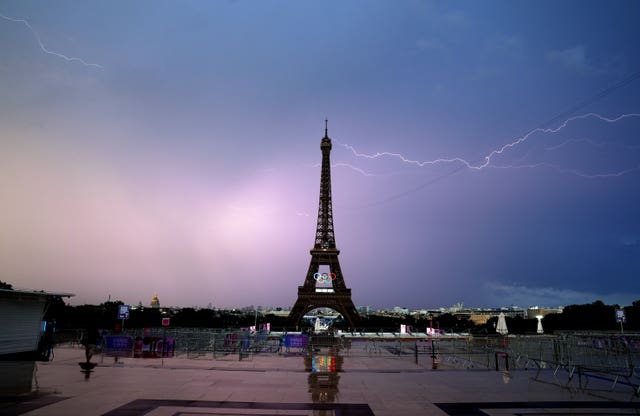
[(400, 310), (155, 302), (535, 311), (514, 312), (278, 312), (457, 307), (481, 318), (364, 310)]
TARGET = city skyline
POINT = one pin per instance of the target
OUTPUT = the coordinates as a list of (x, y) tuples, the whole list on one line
[(482, 153)]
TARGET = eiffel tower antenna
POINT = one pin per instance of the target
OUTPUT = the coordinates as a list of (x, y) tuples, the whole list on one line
[(324, 289)]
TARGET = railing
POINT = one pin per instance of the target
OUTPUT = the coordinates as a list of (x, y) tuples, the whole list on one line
[(576, 356), (613, 358), (606, 357)]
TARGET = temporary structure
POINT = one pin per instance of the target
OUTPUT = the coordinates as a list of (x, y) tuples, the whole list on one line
[(540, 330), (501, 328), (318, 325), (22, 312)]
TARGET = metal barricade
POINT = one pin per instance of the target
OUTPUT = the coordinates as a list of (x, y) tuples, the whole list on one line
[(607, 357), (117, 346)]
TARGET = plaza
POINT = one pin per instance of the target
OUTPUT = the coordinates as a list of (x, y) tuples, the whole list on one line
[(303, 382)]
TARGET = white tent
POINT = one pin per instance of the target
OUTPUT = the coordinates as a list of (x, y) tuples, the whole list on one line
[(318, 325), (540, 330), (501, 328)]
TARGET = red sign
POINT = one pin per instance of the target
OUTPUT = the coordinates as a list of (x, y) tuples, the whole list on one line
[(166, 321)]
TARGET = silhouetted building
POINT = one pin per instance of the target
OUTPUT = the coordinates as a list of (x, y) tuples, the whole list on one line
[(22, 312)]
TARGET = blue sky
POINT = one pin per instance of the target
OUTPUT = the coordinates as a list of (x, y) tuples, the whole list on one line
[(483, 152)]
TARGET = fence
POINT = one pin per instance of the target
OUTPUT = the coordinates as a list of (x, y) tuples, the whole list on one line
[(194, 343), (614, 358), (606, 357), (580, 356)]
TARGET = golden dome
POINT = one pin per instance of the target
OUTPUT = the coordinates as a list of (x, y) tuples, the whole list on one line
[(155, 302)]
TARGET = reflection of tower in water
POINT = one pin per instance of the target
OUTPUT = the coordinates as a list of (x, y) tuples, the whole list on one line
[(323, 378)]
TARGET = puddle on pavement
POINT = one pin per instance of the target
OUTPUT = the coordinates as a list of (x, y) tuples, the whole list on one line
[(324, 369)]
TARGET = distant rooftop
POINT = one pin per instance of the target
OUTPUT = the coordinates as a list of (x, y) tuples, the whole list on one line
[(36, 292)]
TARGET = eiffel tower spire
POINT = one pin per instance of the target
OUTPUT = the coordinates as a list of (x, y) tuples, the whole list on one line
[(327, 288), (325, 237)]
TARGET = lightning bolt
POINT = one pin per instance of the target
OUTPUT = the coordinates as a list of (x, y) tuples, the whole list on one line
[(566, 142), (570, 171), (590, 142), (403, 158), (487, 159), (44, 48), (557, 129), (347, 165)]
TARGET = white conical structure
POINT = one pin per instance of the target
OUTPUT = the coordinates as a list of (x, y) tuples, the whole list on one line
[(539, 318), (501, 328), (318, 325)]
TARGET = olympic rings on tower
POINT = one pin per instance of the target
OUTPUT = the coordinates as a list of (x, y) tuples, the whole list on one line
[(324, 278)]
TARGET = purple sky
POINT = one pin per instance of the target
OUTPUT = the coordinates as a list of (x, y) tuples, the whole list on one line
[(173, 148)]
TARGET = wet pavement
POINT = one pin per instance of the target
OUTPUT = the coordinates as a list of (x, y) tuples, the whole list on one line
[(295, 384)]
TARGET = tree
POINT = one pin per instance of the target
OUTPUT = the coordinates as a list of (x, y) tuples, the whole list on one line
[(632, 314), (595, 316), (5, 285)]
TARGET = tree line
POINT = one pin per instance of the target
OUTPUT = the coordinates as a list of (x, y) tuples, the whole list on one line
[(596, 316)]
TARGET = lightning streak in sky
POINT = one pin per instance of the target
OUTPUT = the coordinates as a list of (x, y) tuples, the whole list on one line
[(557, 129), (571, 171), (44, 48), (601, 175), (347, 165), (487, 160), (566, 142), (404, 159)]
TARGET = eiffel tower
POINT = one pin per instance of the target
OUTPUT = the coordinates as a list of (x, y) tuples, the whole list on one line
[(324, 289)]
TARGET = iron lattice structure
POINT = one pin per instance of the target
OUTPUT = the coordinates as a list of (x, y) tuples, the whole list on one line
[(332, 293)]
